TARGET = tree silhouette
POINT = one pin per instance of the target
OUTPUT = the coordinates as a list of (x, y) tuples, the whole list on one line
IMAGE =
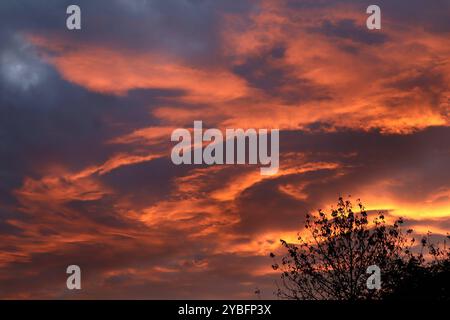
[(332, 262)]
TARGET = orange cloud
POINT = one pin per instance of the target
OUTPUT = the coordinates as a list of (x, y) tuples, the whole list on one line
[(117, 72)]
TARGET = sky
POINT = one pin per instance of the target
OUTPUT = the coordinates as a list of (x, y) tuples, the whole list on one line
[(86, 116)]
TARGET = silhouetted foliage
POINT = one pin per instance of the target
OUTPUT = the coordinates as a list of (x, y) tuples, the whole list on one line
[(424, 280), (331, 263)]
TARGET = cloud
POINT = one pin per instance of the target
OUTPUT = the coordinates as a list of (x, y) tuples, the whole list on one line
[(348, 29), (85, 122)]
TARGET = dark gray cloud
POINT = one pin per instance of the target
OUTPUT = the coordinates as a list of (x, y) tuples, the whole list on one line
[(188, 29), (433, 16), (417, 163), (46, 121), (268, 72)]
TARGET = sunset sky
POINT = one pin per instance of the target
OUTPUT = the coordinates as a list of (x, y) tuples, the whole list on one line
[(86, 117)]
